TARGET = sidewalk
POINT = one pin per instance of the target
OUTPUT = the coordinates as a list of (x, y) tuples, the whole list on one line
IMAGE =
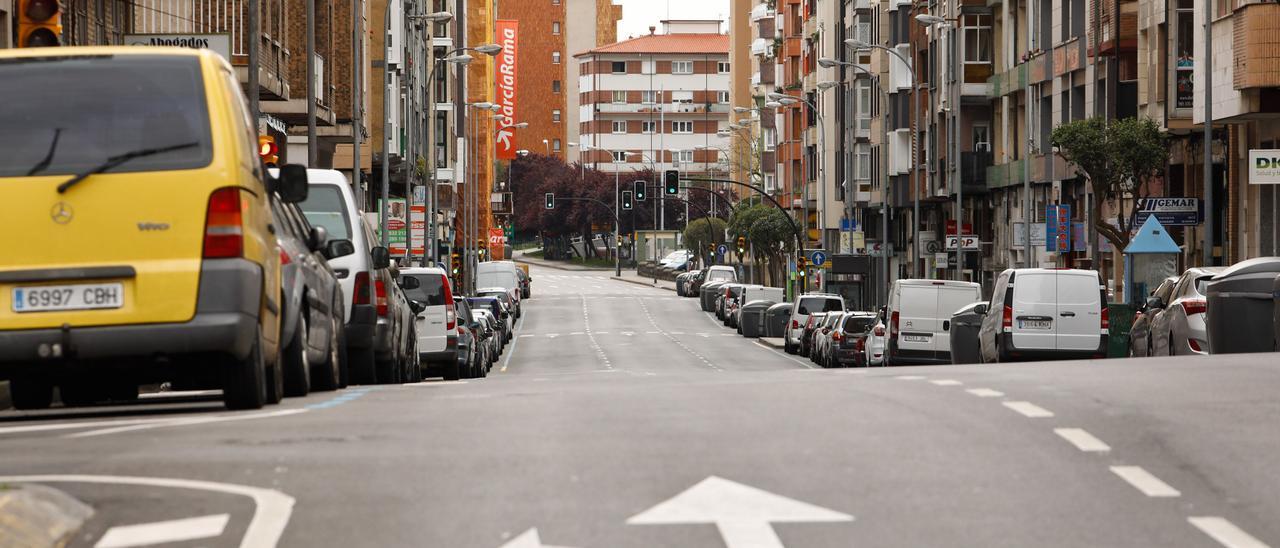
[(519, 257), (630, 276)]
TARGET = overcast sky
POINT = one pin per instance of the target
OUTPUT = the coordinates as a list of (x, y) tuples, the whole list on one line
[(638, 15)]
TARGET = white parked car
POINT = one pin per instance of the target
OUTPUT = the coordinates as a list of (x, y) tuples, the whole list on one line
[(916, 314), (1178, 328), (502, 274), (807, 304), (1038, 313), (436, 326), (874, 347)]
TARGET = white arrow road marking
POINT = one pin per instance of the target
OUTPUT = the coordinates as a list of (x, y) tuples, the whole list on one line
[(528, 539), (178, 530), (270, 513), (1225, 532), (742, 513)]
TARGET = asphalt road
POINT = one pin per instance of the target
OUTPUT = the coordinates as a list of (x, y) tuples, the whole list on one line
[(625, 417)]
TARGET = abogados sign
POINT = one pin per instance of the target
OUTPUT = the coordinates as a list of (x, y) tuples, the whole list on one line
[(506, 88)]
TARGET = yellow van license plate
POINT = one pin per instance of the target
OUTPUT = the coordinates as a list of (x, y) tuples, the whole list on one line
[(46, 298)]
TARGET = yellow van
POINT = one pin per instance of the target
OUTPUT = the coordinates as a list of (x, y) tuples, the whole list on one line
[(137, 241)]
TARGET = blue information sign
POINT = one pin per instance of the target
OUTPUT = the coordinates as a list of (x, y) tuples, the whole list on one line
[(722, 249), (818, 258), (1057, 228)]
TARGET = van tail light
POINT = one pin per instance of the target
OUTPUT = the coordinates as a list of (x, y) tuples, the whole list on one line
[(1106, 317), (380, 287), (224, 225), (450, 312), (360, 291), (893, 325), (1194, 344), (1195, 306), (284, 257), (1007, 321), (837, 336), (879, 331), (795, 324)]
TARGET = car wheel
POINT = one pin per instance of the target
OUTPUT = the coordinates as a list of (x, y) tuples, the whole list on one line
[(362, 366), (275, 381), (78, 393), (326, 376), (244, 383), (385, 371), (452, 371), (344, 363), (31, 392), (786, 346), (296, 368)]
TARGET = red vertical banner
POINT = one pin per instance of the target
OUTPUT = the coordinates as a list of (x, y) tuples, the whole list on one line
[(506, 88)]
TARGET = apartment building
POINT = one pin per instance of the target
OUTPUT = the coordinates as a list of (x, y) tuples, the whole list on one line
[(657, 101), (753, 135)]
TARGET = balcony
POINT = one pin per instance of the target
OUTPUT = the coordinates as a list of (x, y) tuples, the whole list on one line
[(791, 46), (1000, 176), (1255, 27), (760, 46), (672, 108), (973, 171), (761, 11)]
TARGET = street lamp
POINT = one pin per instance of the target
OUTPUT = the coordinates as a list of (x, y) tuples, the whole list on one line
[(783, 99), (954, 173), (915, 123)]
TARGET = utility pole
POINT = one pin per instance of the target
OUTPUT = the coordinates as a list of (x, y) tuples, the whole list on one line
[(312, 160), (386, 125), (255, 31), (1208, 133), (357, 93)]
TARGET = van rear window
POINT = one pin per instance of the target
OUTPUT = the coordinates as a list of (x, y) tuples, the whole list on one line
[(68, 115), (324, 207), (811, 305), (430, 289)]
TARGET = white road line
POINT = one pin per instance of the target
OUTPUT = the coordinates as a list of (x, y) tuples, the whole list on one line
[(433, 383), (985, 392), (1142, 480), (75, 425), (1028, 409), (947, 382), (1225, 532), (506, 362), (909, 377), (726, 334), (576, 333), (1083, 440), (773, 350), (187, 422), (178, 530), (270, 513), (179, 394), (677, 332)]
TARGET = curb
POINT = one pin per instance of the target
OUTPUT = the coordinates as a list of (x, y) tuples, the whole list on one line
[(5, 401), (35, 515), (638, 282), (771, 342)]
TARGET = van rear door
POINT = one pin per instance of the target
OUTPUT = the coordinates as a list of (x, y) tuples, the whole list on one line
[(950, 299), (1079, 318), (918, 317), (1035, 310)]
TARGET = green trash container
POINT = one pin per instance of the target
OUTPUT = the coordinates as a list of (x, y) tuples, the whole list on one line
[(1121, 318)]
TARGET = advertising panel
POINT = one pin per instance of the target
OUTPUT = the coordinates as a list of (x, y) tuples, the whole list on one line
[(505, 80)]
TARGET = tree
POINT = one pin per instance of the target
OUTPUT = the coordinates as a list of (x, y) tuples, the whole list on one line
[(1118, 160), (699, 236)]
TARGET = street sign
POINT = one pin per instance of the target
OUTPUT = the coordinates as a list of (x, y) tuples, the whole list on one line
[(931, 246), (722, 249), (818, 258), (970, 241), (1020, 235), (951, 227), (1169, 211)]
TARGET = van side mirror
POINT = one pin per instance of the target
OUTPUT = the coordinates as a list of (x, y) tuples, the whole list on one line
[(1154, 303), (338, 248), (317, 238), (417, 306), (981, 309), (380, 257), (291, 183)]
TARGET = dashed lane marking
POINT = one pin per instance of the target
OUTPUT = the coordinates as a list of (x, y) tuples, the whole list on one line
[(1028, 409), (985, 392), (1145, 482), (1225, 532), (909, 377), (947, 382), (161, 532), (1083, 440)]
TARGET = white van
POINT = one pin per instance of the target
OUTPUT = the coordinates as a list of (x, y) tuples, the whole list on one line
[(436, 326), (919, 318), (807, 304), (1038, 313), (502, 274)]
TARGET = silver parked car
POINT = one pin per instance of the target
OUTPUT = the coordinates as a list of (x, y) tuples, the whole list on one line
[(1178, 328), (1140, 333)]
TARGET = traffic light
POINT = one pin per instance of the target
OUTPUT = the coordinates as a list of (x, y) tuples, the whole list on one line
[(626, 199), (551, 200), (802, 264), (672, 181), (268, 150), (742, 245), (457, 263), (39, 23), (640, 188)]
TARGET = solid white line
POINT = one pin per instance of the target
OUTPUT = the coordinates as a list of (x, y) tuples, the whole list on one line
[(433, 383), (187, 422), (1142, 480), (985, 392), (909, 377), (947, 382), (1083, 440), (1225, 532), (784, 354), (507, 361), (1028, 409), (75, 425), (178, 530), (179, 394), (270, 513)]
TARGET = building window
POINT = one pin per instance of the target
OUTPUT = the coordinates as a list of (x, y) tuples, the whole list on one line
[(555, 145), (722, 96), (555, 2), (769, 136), (619, 97), (685, 126), (647, 66), (683, 156), (618, 67), (981, 138), (722, 67), (1184, 64), (863, 106), (648, 127), (977, 38), (555, 115), (770, 184), (555, 57), (682, 97), (555, 86), (619, 156), (619, 126), (555, 27), (682, 67), (648, 97), (862, 162)]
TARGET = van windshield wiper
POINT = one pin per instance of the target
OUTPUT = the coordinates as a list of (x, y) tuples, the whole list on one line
[(48, 157), (120, 159)]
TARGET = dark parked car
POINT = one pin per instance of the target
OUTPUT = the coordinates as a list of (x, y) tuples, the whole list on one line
[(811, 325), (467, 349), (500, 312), (849, 338)]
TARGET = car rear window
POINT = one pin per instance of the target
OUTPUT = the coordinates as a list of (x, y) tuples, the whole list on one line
[(324, 207), (430, 289), (66, 115), (810, 305), (858, 324)]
